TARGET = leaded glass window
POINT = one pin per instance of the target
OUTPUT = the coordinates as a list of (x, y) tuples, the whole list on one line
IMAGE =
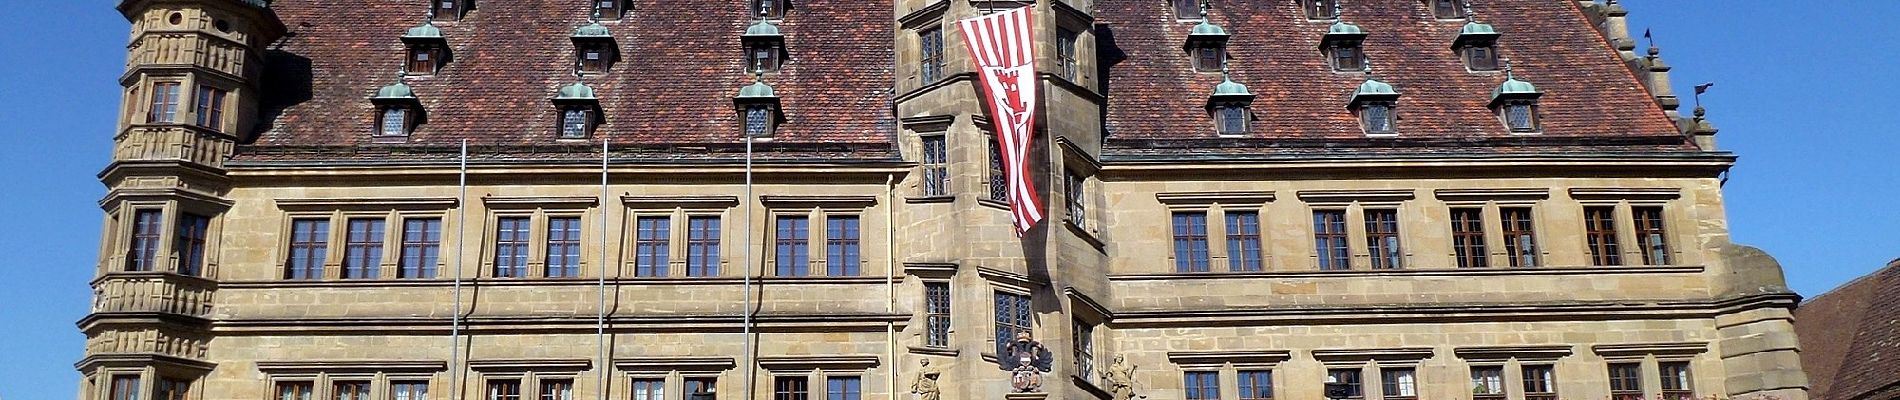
[(1346, 57), (936, 166), (930, 50), (758, 121), (937, 314), (1232, 120), (1481, 58), (1377, 118), (574, 123), (1520, 116), (395, 122), (1013, 315)]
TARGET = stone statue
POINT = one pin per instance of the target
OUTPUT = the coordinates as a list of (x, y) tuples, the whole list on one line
[(1026, 360), (926, 385), (1121, 379)]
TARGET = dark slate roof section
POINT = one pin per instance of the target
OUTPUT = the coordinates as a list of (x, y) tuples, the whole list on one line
[(1850, 338), (680, 65), (1154, 93)]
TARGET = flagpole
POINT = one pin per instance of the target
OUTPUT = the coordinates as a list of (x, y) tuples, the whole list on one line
[(455, 316), (600, 318)]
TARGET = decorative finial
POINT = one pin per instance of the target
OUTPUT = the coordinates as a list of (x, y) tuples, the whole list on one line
[(1468, 13), (765, 9), (1507, 68), (1339, 13), (758, 76), (595, 17), (1223, 66), (1205, 4)]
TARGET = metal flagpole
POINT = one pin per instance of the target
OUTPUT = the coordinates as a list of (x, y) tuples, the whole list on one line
[(455, 317), (600, 319)]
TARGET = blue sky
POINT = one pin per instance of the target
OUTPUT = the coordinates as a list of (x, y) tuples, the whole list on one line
[(1802, 95)]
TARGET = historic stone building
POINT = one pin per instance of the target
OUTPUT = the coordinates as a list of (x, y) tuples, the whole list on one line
[(1430, 199)]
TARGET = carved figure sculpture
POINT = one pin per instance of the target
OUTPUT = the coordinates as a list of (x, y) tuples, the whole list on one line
[(926, 385), (1121, 379)]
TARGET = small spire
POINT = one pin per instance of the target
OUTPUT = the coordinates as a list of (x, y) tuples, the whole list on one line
[(1507, 68), (1468, 13), (1205, 4), (1339, 13), (764, 9), (1223, 66), (595, 16)]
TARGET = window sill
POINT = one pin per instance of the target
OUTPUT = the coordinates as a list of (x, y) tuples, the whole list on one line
[(993, 204), (935, 351), (1688, 269), (930, 199)]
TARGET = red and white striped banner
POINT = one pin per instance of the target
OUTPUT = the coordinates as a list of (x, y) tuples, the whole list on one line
[(1002, 45)]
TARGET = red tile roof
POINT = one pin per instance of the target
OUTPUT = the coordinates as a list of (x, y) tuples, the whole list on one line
[(1850, 338), (680, 65), (1154, 93)]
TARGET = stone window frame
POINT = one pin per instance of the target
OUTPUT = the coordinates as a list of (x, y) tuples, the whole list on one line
[(673, 372), (1491, 203), (921, 23), (817, 370), (935, 126), (1629, 247), (818, 211), (529, 373), (539, 210), (679, 212), (1229, 363), (392, 211), (1354, 202), (928, 274), (121, 215), (323, 375), (1371, 363), (1511, 361), (1650, 356), (1216, 205)]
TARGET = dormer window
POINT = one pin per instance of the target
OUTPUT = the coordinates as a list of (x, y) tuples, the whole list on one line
[(1519, 115), (1207, 43), (1187, 9), (758, 121), (763, 46), (398, 111), (394, 122), (449, 10), (579, 111), (1445, 9), (428, 50), (758, 108), (594, 48), (1342, 45), (770, 9), (609, 9), (1320, 9), (1229, 107), (1375, 103), (1515, 102), (1477, 46)]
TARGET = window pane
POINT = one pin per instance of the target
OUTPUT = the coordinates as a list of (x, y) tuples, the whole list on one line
[(1083, 338), (1320, 9), (999, 187), (1520, 237), (309, 246), (1600, 232), (394, 122), (409, 390), (792, 251), (937, 313), (1382, 239), (557, 389), (1675, 380), (844, 388), (1233, 120), (935, 166), (171, 389), (1349, 377), (574, 124), (211, 108), (757, 122), (1255, 385), (1540, 382), (650, 245), (842, 256), (1487, 382), (650, 389), (1329, 240), (1013, 316), (1626, 381), (1467, 237), (790, 388), (1190, 242), (363, 248), (147, 228), (701, 385), (353, 390), (1650, 235), (1065, 53), (1202, 385), (421, 247), (702, 246), (1075, 196), (1398, 383), (1243, 241), (1377, 118), (1187, 9), (163, 107), (564, 247), (294, 390), (1518, 117), (930, 48), (127, 387), (511, 247), (504, 389)]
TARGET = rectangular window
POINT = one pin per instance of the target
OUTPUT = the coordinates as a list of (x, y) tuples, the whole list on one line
[(557, 389), (309, 246), (171, 389), (409, 390), (1013, 316), (1255, 385), (1232, 120), (1446, 9), (1202, 385), (1076, 197), (842, 255), (363, 248), (421, 248), (930, 50), (147, 228), (126, 387), (1329, 240), (701, 385), (564, 247), (650, 389), (504, 389), (1675, 380), (193, 233), (790, 388), (1521, 116), (1084, 346), (1626, 381), (1649, 233), (422, 59), (1208, 58), (1346, 58), (1467, 237), (937, 314), (1382, 239), (790, 249), (999, 186), (1355, 387), (1190, 242), (1065, 53), (594, 58), (573, 124), (702, 246), (844, 388), (349, 390), (294, 390), (1481, 58), (650, 245), (1187, 9), (1398, 383), (936, 166), (164, 105), (211, 108), (511, 247), (758, 121), (1540, 382), (1378, 119), (1487, 382), (395, 122), (762, 57), (1599, 224), (608, 9), (1321, 9), (1520, 236), (1243, 241)]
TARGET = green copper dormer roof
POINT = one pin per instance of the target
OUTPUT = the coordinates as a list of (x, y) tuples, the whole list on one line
[(593, 30), (1228, 87), (762, 29), (1373, 90), (1478, 28), (1512, 88), (1344, 28), (425, 31), (1208, 29), (576, 91), (1475, 34), (757, 90), (395, 91)]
